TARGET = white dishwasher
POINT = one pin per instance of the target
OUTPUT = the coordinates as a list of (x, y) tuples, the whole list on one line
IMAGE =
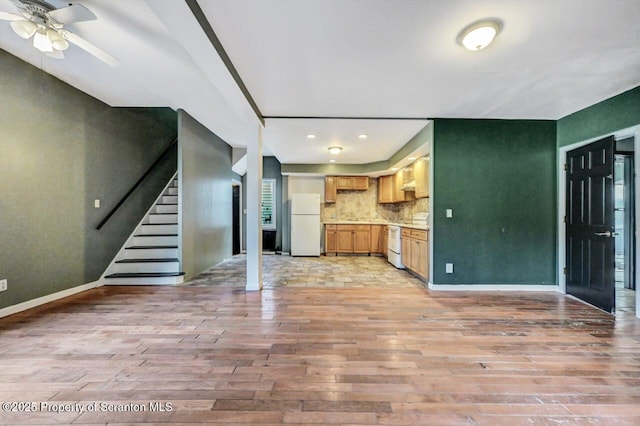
[(394, 254)]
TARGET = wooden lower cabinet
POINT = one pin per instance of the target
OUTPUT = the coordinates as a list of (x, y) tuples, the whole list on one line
[(385, 241), (415, 253), (362, 239), (376, 239), (347, 239), (330, 239), (422, 260)]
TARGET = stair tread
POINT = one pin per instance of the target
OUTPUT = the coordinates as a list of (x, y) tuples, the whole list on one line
[(156, 235), (151, 247), (157, 260), (162, 213), (145, 275), (155, 224), (166, 204)]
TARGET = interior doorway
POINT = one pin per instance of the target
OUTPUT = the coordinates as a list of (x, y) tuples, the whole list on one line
[(625, 239), (237, 224)]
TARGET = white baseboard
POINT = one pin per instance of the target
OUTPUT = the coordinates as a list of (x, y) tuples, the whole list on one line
[(493, 287), (10, 310)]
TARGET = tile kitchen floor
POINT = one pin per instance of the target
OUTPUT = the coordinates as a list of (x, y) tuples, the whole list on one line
[(323, 271)]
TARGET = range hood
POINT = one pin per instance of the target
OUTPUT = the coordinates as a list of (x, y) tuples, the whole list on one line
[(409, 185)]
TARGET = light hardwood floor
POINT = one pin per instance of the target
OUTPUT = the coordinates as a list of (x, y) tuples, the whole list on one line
[(320, 356)]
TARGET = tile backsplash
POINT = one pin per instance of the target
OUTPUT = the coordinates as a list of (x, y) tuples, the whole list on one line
[(363, 206)]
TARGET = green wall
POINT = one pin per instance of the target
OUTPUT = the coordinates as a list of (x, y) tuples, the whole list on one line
[(499, 177), (204, 162), (601, 119), (61, 149)]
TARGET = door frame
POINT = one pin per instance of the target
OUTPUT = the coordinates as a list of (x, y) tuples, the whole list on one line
[(562, 240)]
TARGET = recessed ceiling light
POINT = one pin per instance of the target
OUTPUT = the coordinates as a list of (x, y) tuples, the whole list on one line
[(394, 169), (411, 158), (335, 150), (332, 161), (362, 136), (311, 136), (479, 34)]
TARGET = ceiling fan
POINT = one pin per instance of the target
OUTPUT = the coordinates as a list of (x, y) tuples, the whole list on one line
[(46, 24)]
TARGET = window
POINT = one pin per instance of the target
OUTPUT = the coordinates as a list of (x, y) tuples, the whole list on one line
[(268, 204)]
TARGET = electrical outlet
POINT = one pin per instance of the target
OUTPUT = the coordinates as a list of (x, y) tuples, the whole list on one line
[(3, 285), (449, 268), (96, 204), (449, 213)]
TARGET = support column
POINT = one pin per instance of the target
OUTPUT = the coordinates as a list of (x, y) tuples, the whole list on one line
[(254, 207)]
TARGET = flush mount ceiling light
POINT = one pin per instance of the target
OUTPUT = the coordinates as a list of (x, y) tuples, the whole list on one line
[(479, 34), (311, 136), (335, 150), (332, 161), (362, 136), (411, 158)]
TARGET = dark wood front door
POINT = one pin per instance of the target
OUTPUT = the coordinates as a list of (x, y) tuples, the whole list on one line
[(590, 224)]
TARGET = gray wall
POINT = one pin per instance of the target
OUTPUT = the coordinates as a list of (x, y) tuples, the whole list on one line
[(204, 163), (61, 149)]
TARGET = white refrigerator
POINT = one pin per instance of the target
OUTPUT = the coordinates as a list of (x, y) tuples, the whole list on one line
[(305, 225)]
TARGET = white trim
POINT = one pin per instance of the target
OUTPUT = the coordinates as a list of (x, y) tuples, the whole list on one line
[(10, 310), (430, 221), (633, 131), (494, 287)]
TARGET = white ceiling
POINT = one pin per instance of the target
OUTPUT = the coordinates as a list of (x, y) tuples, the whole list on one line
[(351, 58)]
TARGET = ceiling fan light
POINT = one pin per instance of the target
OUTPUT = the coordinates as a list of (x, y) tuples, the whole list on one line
[(479, 34), (23, 28), (57, 42), (42, 42)]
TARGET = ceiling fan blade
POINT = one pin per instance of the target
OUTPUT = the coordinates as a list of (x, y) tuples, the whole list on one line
[(89, 47), (74, 13), (56, 54), (6, 16)]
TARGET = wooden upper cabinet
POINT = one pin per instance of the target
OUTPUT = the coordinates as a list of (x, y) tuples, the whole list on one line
[(385, 189), (357, 183), (344, 182), (360, 183), (398, 194), (421, 175), (330, 189)]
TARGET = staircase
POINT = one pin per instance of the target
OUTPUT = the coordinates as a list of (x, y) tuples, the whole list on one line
[(150, 255)]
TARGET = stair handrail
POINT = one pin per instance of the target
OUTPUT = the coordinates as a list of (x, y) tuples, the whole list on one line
[(135, 185)]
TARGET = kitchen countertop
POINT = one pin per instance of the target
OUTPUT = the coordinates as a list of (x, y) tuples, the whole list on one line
[(375, 222)]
